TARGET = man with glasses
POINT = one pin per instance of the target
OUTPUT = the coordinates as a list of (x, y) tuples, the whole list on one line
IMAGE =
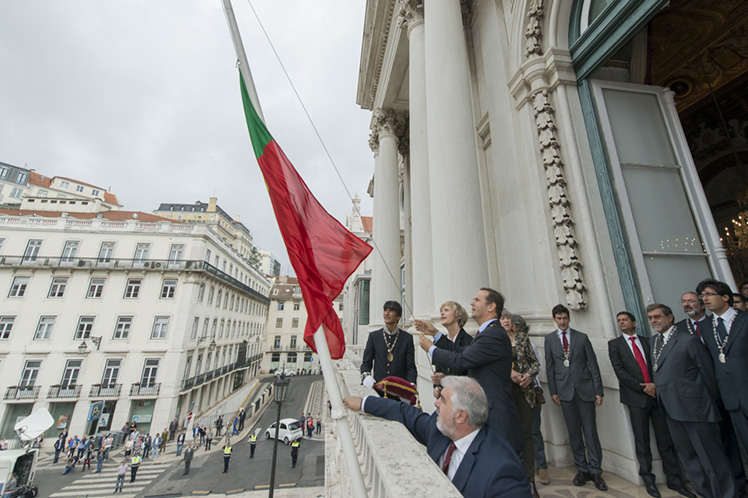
[(727, 342)]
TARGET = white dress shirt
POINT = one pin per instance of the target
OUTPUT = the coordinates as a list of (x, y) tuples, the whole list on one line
[(727, 317), (461, 447), (638, 344)]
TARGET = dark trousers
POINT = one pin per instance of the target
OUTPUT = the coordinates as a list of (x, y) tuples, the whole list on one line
[(171, 435), (207, 443), (146, 450), (537, 439), (640, 418), (727, 429), (241, 425), (133, 471), (294, 457), (57, 456), (187, 466), (525, 416), (252, 450), (700, 450), (581, 420), (226, 460)]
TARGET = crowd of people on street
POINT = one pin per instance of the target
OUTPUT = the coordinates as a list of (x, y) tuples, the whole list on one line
[(687, 379)]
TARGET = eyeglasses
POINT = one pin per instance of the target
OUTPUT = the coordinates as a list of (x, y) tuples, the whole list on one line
[(707, 294)]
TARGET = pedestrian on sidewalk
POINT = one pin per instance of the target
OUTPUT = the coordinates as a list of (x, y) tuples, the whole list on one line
[(164, 438), (59, 445), (235, 431), (294, 452), (134, 466), (201, 431), (319, 423), (121, 471), (309, 426), (69, 466), (226, 455), (99, 461), (156, 445), (208, 438), (108, 441), (180, 442), (147, 443), (252, 444), (219, 425), (73, 445), (83, 446), (188, 454), (87, 458), (242, 416), (173, 426), (128, 447)]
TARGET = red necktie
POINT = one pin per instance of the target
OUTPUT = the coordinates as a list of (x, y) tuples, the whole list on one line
[(696, 329), (566, 343), (640, 361), (448, 458)]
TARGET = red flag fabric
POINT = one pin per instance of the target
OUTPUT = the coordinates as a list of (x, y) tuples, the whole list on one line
[(323, 252)]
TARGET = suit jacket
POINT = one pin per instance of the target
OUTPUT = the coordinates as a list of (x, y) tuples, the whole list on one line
[(581, 376), (180, 439), (731, 375), (488, 359), (627, 370), (403, 364), (188, 454), (686, 326), (685, 379), (462, 340), (490, 466)]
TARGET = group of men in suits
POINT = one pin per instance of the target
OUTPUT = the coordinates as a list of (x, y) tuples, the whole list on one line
[(688, 381)]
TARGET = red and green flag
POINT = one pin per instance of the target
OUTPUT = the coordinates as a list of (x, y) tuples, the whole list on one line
[(323, 252)]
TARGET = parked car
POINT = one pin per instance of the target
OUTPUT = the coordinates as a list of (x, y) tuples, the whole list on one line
[(290, 429), (287, 373)]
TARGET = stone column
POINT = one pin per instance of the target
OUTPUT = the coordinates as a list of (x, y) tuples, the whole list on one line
[(386, 126), (460, 264), (422, 268)]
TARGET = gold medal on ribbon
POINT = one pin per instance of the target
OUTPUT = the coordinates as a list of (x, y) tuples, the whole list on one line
[(390, 357)]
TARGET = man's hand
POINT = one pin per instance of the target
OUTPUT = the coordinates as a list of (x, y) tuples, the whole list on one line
[(425, 327), (436, 378), (516, 377), (556, 399), (368, 381), (426, 343), (353, 403), (649, 388), (598, 400)]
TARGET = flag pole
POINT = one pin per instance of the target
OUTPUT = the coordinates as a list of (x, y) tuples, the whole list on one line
[(323, 351), (337, 413)]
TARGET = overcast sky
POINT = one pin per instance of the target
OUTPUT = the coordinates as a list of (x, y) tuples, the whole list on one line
[(142, 96)]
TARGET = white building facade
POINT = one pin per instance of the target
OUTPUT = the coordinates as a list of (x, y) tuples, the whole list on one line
[(126, 308), (559, 151)]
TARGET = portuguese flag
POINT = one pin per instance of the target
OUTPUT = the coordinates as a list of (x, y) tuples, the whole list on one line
[(323, 252)]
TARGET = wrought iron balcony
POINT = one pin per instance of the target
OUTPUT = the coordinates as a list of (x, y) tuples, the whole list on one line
[(145, 389), (188, 383), (105, 391), (209, 375), (22, 392), (71, 391)]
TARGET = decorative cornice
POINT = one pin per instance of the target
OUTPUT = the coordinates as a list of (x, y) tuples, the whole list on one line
[(410, 13), (563, 224), (534, 30)]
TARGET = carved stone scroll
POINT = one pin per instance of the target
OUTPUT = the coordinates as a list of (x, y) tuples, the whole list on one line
[(411, 12), (534, 30), (390, 122), (563, 224)]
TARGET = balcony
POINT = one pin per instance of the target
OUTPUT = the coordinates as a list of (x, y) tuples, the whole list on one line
[(22, 392), (105, 391), (188, 383), (145, 390), (71, 391), (209, 375), (199, 379)]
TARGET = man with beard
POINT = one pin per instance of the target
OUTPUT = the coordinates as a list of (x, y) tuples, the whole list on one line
[(475, 457), (699, 323), (686, 390)]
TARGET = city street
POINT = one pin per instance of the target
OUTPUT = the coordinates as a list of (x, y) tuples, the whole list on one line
[(164, 477)]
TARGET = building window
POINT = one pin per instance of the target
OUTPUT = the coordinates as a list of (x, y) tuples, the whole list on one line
[(277, 341), (278, 323), (231, 304), (296, 306), (79, 188), (95, 288), (21, 177), (168, 288), (187, 367), (141, 252), (6, 325), (42, 193), (122, 327), (95, 192), (201, 293), (111, 372), (150, 371), (206, 324), (69, 251), (84, 328), (65, 185), (30, 373), (276, 357), (291, 358), (218, 299), (70, 374), (175, 254), (207, 255), (106, 251), (4, 172), (132, 289), (44, 328), (160, 326), (226, 300), (295, 323), (195, 326), (280, 306), (16, 193), (32, 250), (57, 289), (293, 342), (220, 330), (210, 295), (214, 330), (18, 287)]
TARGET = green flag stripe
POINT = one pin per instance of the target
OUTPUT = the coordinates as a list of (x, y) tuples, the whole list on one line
[(259, 135)]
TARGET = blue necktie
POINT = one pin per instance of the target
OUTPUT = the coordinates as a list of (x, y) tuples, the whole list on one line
[(721, 330)]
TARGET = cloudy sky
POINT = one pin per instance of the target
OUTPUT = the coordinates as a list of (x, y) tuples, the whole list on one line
[(142, 96)]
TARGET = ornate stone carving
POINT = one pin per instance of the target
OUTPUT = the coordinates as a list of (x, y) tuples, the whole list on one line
[(390, 122), (563, 224), (534, 30), (467, 13), (410, 13)]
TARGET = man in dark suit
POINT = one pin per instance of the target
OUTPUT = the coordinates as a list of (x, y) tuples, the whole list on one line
[(575, 385), (488, 359), (475, 457), (699, 323), (628, 355), (686, 393), (727, 343), (390, 349)]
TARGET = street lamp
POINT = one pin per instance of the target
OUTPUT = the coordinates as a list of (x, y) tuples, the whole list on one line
[(280, 391)]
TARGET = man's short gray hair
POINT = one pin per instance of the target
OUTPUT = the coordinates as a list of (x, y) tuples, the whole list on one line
[(468, 395)]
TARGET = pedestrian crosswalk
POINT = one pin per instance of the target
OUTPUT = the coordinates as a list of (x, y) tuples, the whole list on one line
[(93, 485)]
